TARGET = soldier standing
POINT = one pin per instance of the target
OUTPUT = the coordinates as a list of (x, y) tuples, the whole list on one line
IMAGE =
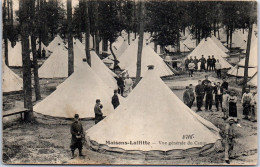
[(115, 100), (76, 131), (229, 139), (202, 63), (200, 93), (209, 96), (98, 111)]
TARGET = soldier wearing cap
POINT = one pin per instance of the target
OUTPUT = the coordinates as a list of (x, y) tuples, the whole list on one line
[(115, 100), (247, 100), (76, 131), (229, 138), (98, 111)]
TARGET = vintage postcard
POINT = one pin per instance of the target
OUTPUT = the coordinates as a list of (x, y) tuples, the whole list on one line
[(129, 82)]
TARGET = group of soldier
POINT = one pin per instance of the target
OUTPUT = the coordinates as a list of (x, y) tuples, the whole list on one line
[(213, 64), (226, 100)]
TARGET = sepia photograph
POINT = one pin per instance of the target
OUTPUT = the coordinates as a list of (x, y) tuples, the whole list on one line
[(129, 82)]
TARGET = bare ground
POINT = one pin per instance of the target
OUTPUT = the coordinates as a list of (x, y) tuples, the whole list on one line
[(47, 141)]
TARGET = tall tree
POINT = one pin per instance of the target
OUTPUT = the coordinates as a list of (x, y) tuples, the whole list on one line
[(34, 52), (5, 33), (140, 42), (96, 22), (87, 32), (70, 39), (24, 14)]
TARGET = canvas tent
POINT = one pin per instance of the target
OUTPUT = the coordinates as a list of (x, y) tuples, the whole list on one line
[(253, 81), (219, 44), (56, 66), (152, 120), (15, 55), (129, 59), (77, 95), (96, 64), (209, 48), (237, 40), (11, 82), (238, 70), (190, 42), (55, 42), (118, 52), (183, 48)]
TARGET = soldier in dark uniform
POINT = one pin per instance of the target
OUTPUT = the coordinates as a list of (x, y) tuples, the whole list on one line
[(229, 139), (120, 84), (98, 111), (115, 100), (218, 96), (196, 61), (202, 63), (213, 63), (200, 93), (209, 64), (224, 85), (209, 96), (76, 131), (43, 53), (187, 61), (205, 81)]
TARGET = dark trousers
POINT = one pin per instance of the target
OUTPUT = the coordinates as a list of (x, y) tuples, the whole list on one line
[(202, 67), (76, 144), (190, 73), (218, 100), (98, 118), (213, 67), (208, 67), (209, 98), (219, 73), (199, 101), (246, 108), (121, 90)]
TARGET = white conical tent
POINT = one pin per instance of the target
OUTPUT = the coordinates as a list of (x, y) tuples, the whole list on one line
[(54, 43), (15, 55), (11, 81), (238, 70), (56, 66), (209, 48), (161, 117), (149, 57), (237, 40), (219, 44), (77, 95), (253, 81), (190, 42), (98, 66), (183, 48), (118, 52)]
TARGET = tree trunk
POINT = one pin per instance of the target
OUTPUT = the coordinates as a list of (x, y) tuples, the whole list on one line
[(247, 57), (113, 54), (140, 42), (105, 44), (231, 32), (178, 43), (27, 82), (96, 27), (70, 39), (155, 47), (5, 34), (87, 33), (33, 46), (227, 31), (128, 37)]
